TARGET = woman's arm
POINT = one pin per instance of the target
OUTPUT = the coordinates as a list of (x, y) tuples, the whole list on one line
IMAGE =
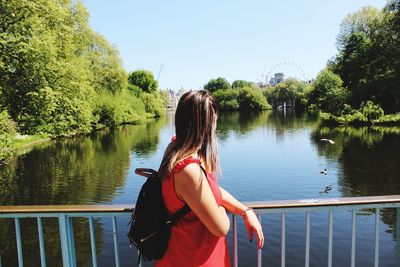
[(192, 186), (252, 224)]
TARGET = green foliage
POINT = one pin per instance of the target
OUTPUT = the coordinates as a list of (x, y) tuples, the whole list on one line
[(362, 21), (105, 65), (144, 80), (115, 109), (327, 92), (57, 76), (164, 96), (217, 84), (369, 56), (290, 91), (7, 131), (388, 119), (241, 84), (252, 99), (227, 99), (367, 113), (135, 90), (371, 111), (153, 103)]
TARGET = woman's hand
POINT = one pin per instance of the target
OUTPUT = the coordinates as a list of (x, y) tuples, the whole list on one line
[(253, 227)]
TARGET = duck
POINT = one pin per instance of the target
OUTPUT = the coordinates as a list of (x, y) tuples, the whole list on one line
[(324, 171), (327, 189), (328, 140)]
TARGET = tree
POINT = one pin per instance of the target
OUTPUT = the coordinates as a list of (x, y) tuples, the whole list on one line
[(227, 99), (327, 92), (252, 99), (106, 65), (369, 56), (144, 80), (364, 20), (57, 75), (241, 84), (289, 91), (217, 84)]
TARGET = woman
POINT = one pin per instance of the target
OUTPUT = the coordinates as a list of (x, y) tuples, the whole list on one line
[(198, 239)]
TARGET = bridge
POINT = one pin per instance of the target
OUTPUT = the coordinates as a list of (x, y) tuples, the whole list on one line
[(65, 214)]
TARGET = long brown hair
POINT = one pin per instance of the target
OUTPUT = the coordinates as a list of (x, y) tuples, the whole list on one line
[(195, 126)]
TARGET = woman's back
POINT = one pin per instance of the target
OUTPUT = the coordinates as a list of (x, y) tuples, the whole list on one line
[(191, 243)]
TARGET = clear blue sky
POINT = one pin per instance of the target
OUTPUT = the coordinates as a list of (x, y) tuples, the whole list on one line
[(200, 40)]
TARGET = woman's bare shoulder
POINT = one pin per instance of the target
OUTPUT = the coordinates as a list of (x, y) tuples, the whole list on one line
[(190, 175)]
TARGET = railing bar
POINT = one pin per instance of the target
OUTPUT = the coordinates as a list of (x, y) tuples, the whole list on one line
[(398, 237), (64, 239), (283, 239), (330, 238), (41, 242), (377, 211), (71, 242), (115, 234), (307, 259), (234, 240), (92, 242), (259, 251), (353, 238), (19, 243)]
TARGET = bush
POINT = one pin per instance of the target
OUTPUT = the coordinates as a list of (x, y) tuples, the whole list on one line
[(144, 80), (111, 110), (55, 112), (153, 103), (371, 111), (227, 99), (219, 83), (7, 131), (252, 99), (388, 119)]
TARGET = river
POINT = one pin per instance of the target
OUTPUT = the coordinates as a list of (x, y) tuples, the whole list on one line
[(270, 155)]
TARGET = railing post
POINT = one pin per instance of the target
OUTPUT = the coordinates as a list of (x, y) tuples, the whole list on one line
[(234, 240), (41, 242), (71, 241), (19, 243), (92, 242), (307, 257), (68, 255), (283, 239), (115, 234), (259, 251), (377, 213), (353, 238), (398, 237), (330, 237)]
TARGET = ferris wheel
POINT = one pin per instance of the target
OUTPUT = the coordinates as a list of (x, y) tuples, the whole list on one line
[(284, 65)]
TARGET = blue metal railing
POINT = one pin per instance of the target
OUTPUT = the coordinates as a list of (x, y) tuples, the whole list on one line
[(65, 214)]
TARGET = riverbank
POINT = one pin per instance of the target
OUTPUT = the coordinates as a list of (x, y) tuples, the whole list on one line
[(359, 119), (20, 144)]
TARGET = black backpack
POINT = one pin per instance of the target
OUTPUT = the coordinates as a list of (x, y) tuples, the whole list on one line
[(150, 225)]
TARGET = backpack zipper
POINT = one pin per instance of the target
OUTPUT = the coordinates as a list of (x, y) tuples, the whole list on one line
[(147, 237)]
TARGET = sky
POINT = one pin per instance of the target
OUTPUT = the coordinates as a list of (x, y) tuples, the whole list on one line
[(192, 42)]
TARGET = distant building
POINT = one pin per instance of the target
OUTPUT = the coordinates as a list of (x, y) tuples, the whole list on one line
[(173, 97), (278, 78)]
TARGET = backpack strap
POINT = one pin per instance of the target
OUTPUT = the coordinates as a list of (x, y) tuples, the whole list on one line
[(185, 209)]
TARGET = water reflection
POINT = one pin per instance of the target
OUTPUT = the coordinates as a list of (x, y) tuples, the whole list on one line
[(267, 155), (369, 158), (242, 123), (82, 170)]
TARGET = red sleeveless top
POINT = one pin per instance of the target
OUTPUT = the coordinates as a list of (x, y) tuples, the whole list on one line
[(191, 244)]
